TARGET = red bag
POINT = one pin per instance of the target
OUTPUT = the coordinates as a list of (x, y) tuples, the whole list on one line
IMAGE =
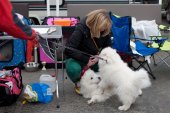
[(10, 86)]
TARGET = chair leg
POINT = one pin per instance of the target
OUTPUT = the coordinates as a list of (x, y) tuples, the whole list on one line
[(154, 60), (163, 59), (141, 64), (150, 71)]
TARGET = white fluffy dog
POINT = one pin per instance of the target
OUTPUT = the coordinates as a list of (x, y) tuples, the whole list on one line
[(88, 83), (117, 78)]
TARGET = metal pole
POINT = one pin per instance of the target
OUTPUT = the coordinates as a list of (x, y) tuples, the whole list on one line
[(48, 7), (56, 72), (160, 2), (57, 7)]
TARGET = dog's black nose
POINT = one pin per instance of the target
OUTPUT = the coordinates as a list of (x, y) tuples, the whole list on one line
[(99, 78)]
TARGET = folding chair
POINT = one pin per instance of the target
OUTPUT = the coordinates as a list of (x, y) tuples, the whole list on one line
[(122, 30), (164, 46), (153, 37)]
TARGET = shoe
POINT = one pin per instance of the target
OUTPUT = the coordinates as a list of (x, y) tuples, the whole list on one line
[(77, 90)]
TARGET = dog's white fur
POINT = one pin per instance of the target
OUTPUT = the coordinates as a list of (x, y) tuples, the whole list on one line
[(117, 78), (88, 83)]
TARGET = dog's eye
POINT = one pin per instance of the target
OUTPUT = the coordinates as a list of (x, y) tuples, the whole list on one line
[(91, 78)]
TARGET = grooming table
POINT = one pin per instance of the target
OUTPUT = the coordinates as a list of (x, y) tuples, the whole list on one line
[(53, 33)]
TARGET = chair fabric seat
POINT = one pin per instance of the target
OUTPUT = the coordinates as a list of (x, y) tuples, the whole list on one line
[(144, 50)]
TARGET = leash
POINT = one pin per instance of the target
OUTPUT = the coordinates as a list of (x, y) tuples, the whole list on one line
[(70, 48), (83, 71)]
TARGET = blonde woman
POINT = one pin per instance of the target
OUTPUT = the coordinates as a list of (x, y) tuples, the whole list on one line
[(90, 36)]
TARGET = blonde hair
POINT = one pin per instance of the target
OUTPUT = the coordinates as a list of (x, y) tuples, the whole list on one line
[(98, 20)]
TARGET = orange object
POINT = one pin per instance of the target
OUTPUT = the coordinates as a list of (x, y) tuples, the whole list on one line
[(62, 22)]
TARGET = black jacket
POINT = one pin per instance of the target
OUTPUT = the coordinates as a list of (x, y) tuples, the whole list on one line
[(81, 40)]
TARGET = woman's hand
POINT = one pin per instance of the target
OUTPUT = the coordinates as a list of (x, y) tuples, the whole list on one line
[(93, 60)]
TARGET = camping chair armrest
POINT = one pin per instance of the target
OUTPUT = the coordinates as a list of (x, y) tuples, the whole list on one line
[(158, 36), (153, 39), (159, 40)]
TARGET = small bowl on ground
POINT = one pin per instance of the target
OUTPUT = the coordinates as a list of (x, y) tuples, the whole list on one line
[(31, 66)]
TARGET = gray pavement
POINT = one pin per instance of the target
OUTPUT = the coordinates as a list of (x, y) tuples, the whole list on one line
[(155, 99)]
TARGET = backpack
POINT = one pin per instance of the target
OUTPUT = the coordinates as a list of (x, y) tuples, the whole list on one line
[(10, 85)]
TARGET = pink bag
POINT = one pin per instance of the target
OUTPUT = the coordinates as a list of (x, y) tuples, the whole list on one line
[(50, 20), (10, 86)]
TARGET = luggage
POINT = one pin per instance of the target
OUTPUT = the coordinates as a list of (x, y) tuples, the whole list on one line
[(61, 20), (66, 31), (13, 51), (10, 85), (68, 25)]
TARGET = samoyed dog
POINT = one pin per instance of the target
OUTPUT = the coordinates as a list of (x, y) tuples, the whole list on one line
[(118, 79), (89, 83)]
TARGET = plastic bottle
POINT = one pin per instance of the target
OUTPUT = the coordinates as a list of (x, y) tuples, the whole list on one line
[(49, 80)]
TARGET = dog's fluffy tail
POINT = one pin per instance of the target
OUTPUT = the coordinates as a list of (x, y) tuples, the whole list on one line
[(144, 79)]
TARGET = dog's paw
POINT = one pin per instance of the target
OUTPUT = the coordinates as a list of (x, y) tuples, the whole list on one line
[(90, 102), (124, 107)]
